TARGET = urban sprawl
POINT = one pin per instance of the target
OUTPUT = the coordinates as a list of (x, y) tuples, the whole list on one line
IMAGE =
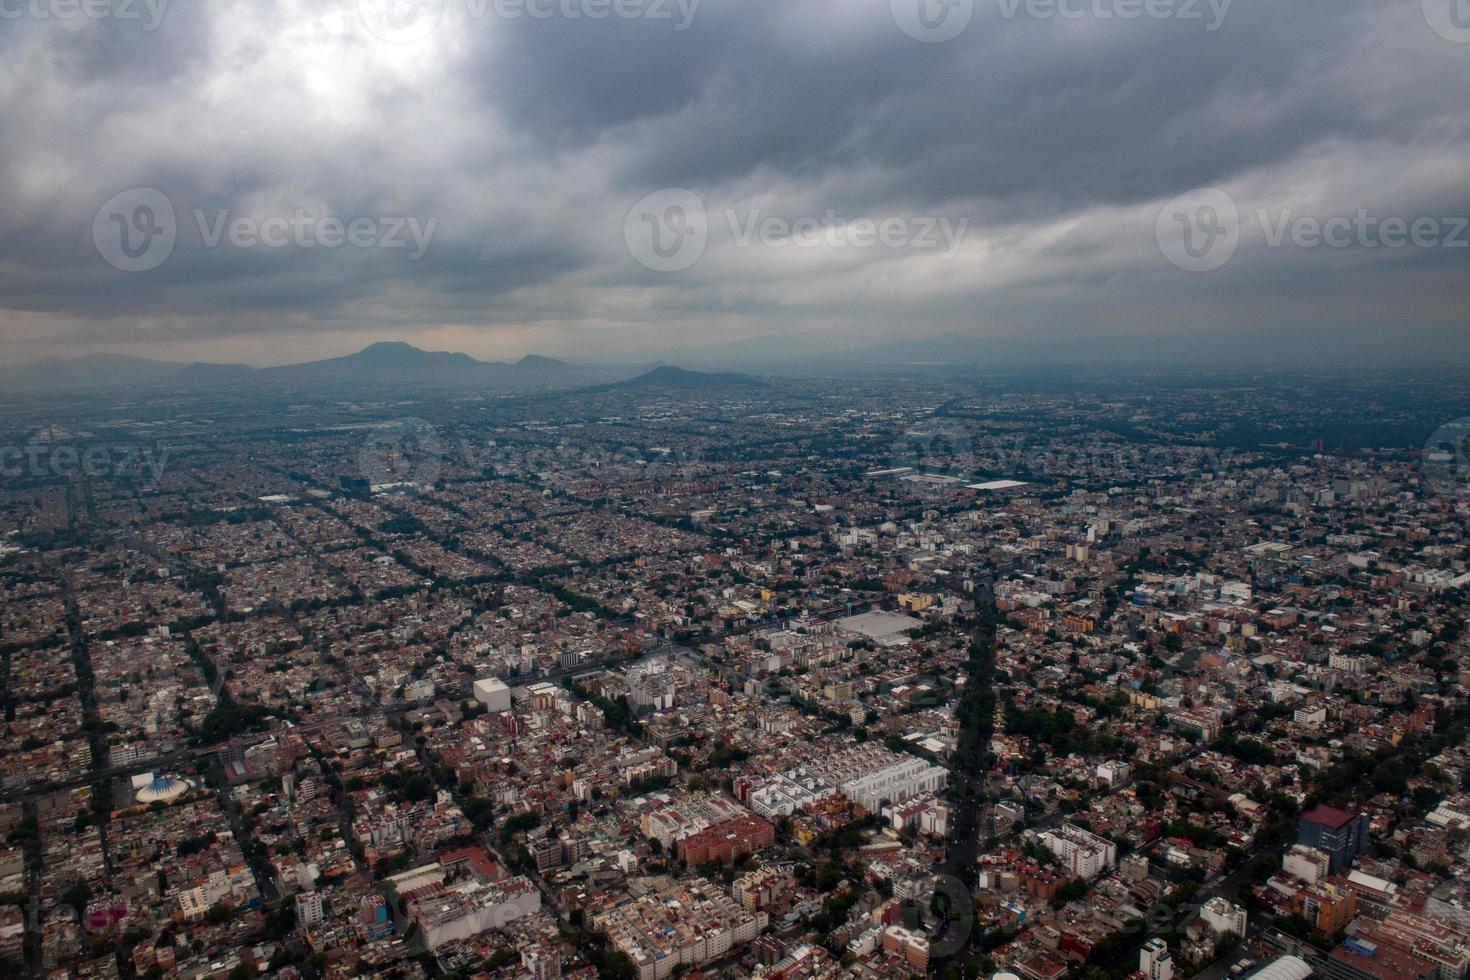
[(711, 676)]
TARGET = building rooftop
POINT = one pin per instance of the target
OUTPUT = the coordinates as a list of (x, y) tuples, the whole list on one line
[(1329, 816)]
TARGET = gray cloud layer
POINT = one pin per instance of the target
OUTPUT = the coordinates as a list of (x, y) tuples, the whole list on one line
[(1055, 140)]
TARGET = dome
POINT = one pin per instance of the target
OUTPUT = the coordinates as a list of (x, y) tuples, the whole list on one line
[(1285, 968), (163, 789)]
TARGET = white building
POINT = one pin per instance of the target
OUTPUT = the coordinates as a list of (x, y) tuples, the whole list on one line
[(493, 694), (868, 775), (786, 793), (1285, 968), (895, 783), (309, 910), (1223, 915), (1155, 961), (1083, 853), (473, 907), (1113, 773), (1314, 716), (1306, 863)]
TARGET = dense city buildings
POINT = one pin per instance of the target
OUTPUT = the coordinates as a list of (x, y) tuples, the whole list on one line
[(735, 677)]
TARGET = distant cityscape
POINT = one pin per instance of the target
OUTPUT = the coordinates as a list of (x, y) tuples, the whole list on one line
[(383, 670)]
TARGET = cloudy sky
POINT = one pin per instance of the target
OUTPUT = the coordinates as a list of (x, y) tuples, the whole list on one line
[(276, 181)]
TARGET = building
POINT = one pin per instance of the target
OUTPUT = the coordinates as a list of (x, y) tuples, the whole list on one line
[(912, 946), (493, 694), (163, 789), (12, 933), (1376, 897), (309, 910), (785, 793), (1284, 968), (1113, 773), (670, 824), (1306, 863), (709, 925), (1223, 915), (464, 894), (1341, 834), (1083, 853), (727, 842), (763, 887), (1444, 945), (542, 962), (1155, 961), (1363, 959), (894, 783), (1329, 907), (470, 908), (373, 917), (868, 775)]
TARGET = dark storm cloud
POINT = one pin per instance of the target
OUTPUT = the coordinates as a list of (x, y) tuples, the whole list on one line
[(1067, 113), (527, 140)]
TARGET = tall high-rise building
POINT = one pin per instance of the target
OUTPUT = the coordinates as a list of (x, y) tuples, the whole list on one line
[(309, 909), (1341, 834)]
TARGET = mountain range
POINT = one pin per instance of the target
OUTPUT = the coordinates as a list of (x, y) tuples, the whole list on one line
[(388, 362), (402, 363), (788, 355)]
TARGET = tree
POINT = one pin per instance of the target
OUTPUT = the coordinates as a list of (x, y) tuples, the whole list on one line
[(77, 896)]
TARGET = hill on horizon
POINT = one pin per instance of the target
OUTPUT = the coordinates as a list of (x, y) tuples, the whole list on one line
[(385, 361)]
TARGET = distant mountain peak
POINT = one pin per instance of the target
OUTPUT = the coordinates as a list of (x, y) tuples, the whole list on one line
[(539, 363), (398, 352)]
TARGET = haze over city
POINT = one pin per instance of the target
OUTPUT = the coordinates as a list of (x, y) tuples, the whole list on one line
[(734, 490)]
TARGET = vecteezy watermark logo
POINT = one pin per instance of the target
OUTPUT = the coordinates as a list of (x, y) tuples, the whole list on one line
[(1446, 460), (679, 12), (1211, 13), (149, 12), (104, 916), (668, 230), (304, 230), (1450, 19), (1444, 904), (411, 21), (401, 453), (400, 21), (922, 232), (136, 230), (628, 462), (934, 457), (1199, 231), (933, 21), (39, 460), (953, 907), (1363, 230)]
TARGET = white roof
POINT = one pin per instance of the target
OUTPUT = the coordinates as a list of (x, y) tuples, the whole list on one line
[(1286, 968)]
